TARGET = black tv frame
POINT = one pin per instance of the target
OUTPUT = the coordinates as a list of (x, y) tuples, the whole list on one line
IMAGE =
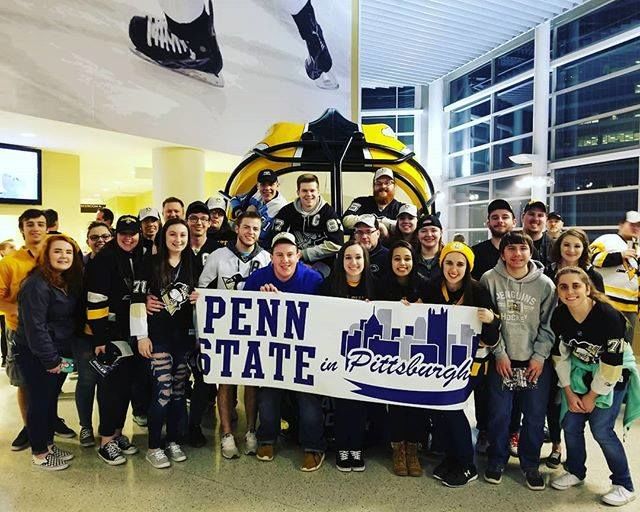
[(38, 153)]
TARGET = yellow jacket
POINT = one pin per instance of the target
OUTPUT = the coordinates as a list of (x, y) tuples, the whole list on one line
[(13, 269)]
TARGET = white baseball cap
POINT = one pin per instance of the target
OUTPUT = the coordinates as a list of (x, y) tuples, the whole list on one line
[(408, 209), (383, 171), (216, 203), (149, 212), (367, 219), (632, 216), (285, 236)]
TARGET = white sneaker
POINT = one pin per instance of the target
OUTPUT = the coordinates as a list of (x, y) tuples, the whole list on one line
[(229, 448), (158, 459), (618, 496), (175, 452), (565, 481), (250, 443)]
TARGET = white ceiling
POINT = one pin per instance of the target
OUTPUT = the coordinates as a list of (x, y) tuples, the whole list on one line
[(413, 42), (107, 159)]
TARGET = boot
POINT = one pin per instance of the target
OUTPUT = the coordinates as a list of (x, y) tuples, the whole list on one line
[(413, 464), (399, 459)]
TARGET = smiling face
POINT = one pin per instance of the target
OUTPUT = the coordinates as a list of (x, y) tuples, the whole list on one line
[(406, 223), (61, 255), (572, 291), (284, 259), (429, 237), (34, 230), (309, 195), (516, 258), (172, 211), (150, 227), (353, 262), (500, 222), (128, 241), (268, 190), (248, 233), (534, 222), (401, 262), (570, 250), (97, 237), (176, 238), (454, 268), (384, 189), (199, 223), (367, 236)]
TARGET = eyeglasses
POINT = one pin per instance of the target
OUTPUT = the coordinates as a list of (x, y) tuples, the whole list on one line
[(365, 232), (194, 220), (105, 237)]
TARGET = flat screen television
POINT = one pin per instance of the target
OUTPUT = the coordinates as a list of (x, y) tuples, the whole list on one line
[(20, 175)]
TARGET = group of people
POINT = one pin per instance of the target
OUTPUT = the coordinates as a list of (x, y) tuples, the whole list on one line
[(557, 319)]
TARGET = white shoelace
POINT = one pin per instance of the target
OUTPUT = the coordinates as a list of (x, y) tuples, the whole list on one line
[(112, 449), (158, 35), (343, 454)]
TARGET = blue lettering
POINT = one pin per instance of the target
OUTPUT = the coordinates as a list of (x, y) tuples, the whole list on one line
[(301, 352), (227, 348), (280, 351), (205, 360), (253, 364), (268, 316), (237, 314), (212, 312), (297, 317)]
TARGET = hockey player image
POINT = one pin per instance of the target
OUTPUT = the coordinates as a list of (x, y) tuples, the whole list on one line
[(184, 40)]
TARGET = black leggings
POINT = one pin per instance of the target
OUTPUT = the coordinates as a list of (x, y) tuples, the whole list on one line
[(114, 395), (407, 423)]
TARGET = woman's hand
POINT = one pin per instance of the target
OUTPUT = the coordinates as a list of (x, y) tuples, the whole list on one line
[(485, 315), (573, 401), (589, 401), (154, 305), (145, 347), (193, 298), (100, 350)]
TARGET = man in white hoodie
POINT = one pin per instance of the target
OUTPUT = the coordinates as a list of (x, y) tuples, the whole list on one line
[(525, 298)]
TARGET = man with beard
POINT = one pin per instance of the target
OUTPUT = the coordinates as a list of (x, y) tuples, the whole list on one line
[(381, 204), (534, 223), (367, 233), (500, 221)]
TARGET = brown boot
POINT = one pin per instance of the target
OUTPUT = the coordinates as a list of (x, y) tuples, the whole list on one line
[(399, 459), (413, 464)]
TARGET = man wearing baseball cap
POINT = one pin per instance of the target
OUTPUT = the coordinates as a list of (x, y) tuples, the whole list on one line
[(555, 223), (286, 274), (151, 225), (267, 201), (500, 221), (382, 203), (534, 223), (367, 233), (616, 258), (219, 229)]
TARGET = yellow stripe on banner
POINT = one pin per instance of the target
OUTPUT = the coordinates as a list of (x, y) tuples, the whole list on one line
[(97, 314)]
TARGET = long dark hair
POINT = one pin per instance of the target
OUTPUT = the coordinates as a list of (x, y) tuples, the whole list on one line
[(161, 276), (405, 245), (467, 282), (338, 279), (594, 294), (69, 280), (556, 253)]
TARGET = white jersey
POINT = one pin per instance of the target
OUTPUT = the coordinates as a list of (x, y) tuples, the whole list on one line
[(227, 269)]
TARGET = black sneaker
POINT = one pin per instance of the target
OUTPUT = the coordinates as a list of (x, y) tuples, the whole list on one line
[(357, 460), (196, 437), (493, 475), (554, 459), (87, 438), (460, 476), (535, 480), (343, 461), (21, 442), (111, 454), (61, 430), (441, 470), (125, 445)]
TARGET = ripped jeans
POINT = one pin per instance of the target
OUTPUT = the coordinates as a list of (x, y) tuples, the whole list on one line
[(169, 375)]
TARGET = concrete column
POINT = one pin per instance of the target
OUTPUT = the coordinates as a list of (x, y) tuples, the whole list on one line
[(435, 156), (541, 68), (178, 172)]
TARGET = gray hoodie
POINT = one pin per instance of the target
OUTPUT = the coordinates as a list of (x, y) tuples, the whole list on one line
[(525, 307)]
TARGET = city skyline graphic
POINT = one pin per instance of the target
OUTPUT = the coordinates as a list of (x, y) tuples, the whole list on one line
[(428, 336)]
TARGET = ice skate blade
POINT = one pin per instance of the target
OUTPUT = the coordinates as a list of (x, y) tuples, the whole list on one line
[(327, 81)]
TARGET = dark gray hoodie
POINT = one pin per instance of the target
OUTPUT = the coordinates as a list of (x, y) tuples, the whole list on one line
[(525, 307)]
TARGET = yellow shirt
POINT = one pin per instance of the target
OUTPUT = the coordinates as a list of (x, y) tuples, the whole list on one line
[(13, 269)]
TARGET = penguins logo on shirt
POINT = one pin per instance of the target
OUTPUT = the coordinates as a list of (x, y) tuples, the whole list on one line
[(231, 283), (174, 297)]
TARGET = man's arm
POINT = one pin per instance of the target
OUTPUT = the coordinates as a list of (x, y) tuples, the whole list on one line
[(331, 244)]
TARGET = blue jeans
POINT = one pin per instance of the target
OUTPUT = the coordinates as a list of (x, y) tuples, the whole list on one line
[(533, 403), (601, 422), (87, 381), (310, 419)]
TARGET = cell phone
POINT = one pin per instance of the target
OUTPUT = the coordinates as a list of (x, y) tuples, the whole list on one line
[(67, 365)]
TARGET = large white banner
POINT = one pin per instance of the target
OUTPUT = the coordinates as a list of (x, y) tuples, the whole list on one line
[(418, 355)]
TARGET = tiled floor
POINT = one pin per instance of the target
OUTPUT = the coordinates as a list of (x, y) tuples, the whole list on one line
[(208, 482)]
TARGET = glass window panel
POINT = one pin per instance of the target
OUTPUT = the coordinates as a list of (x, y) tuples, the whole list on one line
[(407, 140), (599, 64), (471, 237), (619, 173), (513, 186), (607, 96), (467, 216), (601, 209), (609, 133), (469, 84), (470, 137), (405, 123), (469, 164), (467, 193), (516, 95), (608, 20), (514, 123), (406, 97), (378, 97), (515, 62), (458, 117), (592, 234), (502, 152), (388, 120)]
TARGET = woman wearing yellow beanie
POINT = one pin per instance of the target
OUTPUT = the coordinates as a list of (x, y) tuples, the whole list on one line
[(457, 287)]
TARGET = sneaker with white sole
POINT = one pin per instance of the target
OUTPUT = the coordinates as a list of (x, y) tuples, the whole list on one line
[(175, 452), (158, 459), (125, 445), (87, 438), (61, 454), (566, 481), (111, 454), (250, 443), (343, 461), (49, 463), (618, 496), (229, 448)]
